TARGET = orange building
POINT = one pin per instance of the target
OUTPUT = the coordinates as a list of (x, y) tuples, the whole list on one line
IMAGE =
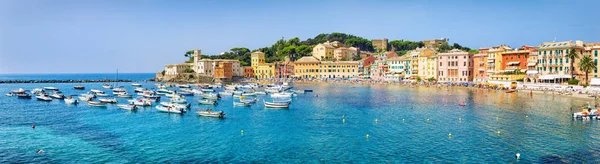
[(515, 60), (223, 71), (480, 65), (248, 72)]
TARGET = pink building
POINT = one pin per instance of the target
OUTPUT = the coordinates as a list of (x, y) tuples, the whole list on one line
[(455, 66), (378, 70)]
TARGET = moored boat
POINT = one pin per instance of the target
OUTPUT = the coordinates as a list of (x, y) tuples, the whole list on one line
[(20, 90), (43, 97), (127, 106), (248, 100), (183, 86), (106, 86), (211, 96), (207, 90), (140, 102), (51, 88), (260, 93), (184, 106), (139, 89), (136, 84), (241, 104), (210, 113), (96, 104), (9, 94), (79, 87), (57, 95), (169, 109), (276, 105), (226, 93), (108, 100), (119, 89), (124, 95), (24, 95), (71, 100), (208, 102)]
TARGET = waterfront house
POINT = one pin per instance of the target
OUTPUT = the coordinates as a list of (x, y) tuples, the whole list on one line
[(260, 67), (223, 71), (591, 49), (284, 69), (513, 64), (427, 65), (494, 59), (378, 70), (480, 65), (307, 67), (363, 66), (455, 66), (532, 70), (248, 72), (339, 69), (554, 66), (172, 70), (399, 68)]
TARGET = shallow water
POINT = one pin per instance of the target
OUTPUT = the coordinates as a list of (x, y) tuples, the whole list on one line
[(311, 130)]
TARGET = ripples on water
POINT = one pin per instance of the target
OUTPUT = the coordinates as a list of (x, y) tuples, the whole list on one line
[(312, 130)]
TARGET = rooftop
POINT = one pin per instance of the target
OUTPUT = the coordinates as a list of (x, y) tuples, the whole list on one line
[(307, 59)]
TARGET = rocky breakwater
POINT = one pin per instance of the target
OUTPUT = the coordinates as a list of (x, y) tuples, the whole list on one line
[(61, 81)]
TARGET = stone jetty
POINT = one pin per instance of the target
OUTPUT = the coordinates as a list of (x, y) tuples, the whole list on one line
[(61, 81)]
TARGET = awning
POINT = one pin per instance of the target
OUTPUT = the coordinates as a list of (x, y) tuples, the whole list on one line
[(595, 82), (551, 77), (531, 64), (532, 72), (481, 69), (509, 70), (513, 63), (490, 60)]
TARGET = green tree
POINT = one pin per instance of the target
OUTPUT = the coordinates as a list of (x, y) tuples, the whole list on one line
[(189, 53), (188, 70), (356, 58), (572, 55), (361, 43), (474, 51), (304, 50), (587, 65), (444, 48)]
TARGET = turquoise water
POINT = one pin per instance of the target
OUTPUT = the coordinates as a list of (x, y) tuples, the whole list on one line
[(311, 130)]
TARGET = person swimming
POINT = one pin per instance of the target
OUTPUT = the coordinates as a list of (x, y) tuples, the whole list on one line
[(39, 151)]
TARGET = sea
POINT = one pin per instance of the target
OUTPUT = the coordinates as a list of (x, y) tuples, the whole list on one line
[(336, 123)]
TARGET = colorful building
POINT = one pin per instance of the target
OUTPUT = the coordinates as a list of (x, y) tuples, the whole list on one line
[(260, 68), (284, 69), (340, 69), (364, 66), (427, 66), (494, 59), (455, 66), (480, 66), (592, 50), (554, 66), (399, 68), (307, 67), (224, 71), (513, 64), (378, 70), (248, 72)]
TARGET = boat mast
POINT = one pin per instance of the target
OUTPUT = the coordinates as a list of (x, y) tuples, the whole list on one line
[(117, 80)]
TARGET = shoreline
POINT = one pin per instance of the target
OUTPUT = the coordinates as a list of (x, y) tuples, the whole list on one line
[(61, 81)]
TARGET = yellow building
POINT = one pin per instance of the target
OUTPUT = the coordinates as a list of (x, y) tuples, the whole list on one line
[(323, 51), (494, 56), (307, 67), (260, 68), (257, 58), (339, 69), (427, 65)]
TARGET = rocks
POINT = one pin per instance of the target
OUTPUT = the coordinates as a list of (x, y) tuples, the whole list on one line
[(61, 81)]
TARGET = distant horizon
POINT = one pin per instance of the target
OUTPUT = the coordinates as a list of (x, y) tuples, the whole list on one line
[(143, 36)]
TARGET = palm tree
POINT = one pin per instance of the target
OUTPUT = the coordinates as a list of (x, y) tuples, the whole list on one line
[(572, 55), (587, 65)]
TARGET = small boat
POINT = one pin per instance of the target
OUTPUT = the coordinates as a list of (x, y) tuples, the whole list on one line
[(211, 96), (299, 91), (186, 106), (9, 94), (208, 102), (106, 86), (36, 91), (102, 95), (510, 91), (183, 86), (170, 109), (170, 94), (108, 100), (51, 88), (136, 84), (139, 89), (209, 113), (127, 106), (124, 95), (119, 89), (96, 91), (20, 90), (280, 100), (140, 102), (57, 95), (207, 90), (43, 97), (179, 100), (79, 87), (282, 95), (276, 105), (585, 114), (185, 93), (248, 101), (71, 100), (226, 93), (96, 104), (24, 95), (163, 91), (260, 93), (241, 104), (248, 94)]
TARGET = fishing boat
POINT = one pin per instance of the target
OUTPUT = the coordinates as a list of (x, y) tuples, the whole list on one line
[(108, 100), (79, 87), (241, 104), (127, 106), (106, 86), (208, 102), (71, 100), (96, 104), (20, 90), (276, 105), (209, 113), (57, 95), (140, 102), (9, 94), (124, 95), (169, 109), (51, 88), (136, 84), (184, 106), (24, 95), (211, 96), (43, 97)]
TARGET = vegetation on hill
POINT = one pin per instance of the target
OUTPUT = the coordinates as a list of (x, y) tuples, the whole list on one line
[(295, 48)]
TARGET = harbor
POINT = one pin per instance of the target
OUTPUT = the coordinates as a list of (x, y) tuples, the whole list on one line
[(334, 122)]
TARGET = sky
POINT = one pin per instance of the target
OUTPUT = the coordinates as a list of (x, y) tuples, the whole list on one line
[(99, 36)]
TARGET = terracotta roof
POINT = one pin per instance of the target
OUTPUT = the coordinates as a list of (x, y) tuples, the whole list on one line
[(308, 59)]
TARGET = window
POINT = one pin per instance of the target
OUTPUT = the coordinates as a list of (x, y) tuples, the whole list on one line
[(567, 60), (595, 53)]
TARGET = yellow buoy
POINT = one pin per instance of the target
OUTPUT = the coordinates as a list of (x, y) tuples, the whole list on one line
[(343, 120), (449, 134), (242, 131), (498, 132), (402, 120), (376, 120), (367, 136), (526, 116), (459, 119), (497, 118), (427, 120)]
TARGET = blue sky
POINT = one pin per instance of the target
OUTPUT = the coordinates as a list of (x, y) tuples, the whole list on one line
[(99, 36)]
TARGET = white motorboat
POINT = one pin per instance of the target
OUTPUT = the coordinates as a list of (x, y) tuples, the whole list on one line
[(226, 93), (207, 90), (57, 95), (282, 100), (36, 91), (163, 91), (43, 97), (186, 93), (219, 114), (183, 106), (179, 100), (248, 101), (127, 106), (169, 109), (140, 102), (124, 95), (211, 96), (51, 88), (139, 89), (584, 114), (273, 89), (79, 87), (95, 91), (85, 98), (102, 95), (237, 92), (282, 95), (71, 100), (276, 105), (208, 102), (119, 89), (96, 104), (23, 95), (170, 94), (9, 94), (108, 100), (20, 90), (248, 94), (241, 104), (183, 86), (260, 93), (136, 84), (106, 86)]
